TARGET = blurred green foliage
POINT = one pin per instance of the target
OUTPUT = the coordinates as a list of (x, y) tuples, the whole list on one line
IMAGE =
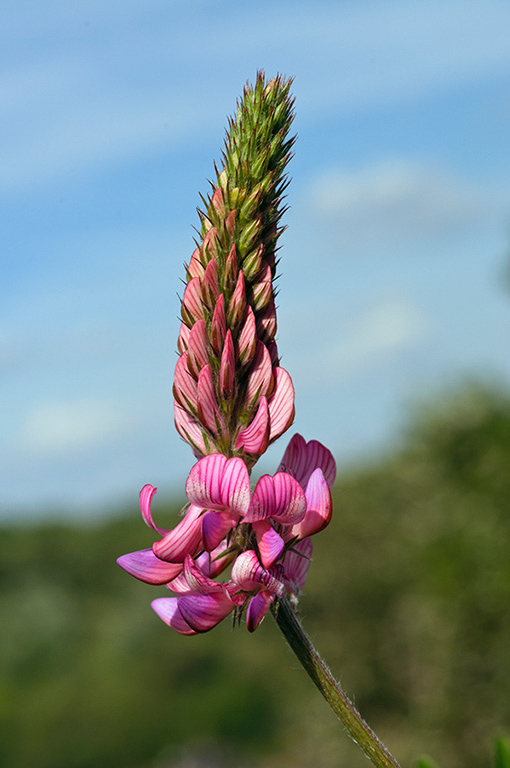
[(408, 600)]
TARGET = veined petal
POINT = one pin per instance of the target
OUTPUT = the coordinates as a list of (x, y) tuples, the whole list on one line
[(270, 543), (260, 379), (215, 526), (189, 430), (217, 483), (195, 268), (262, 503), (146, 495), (203, 612), (197, 580), (208, 410), (301, 459), (296, 565), (167, 609), (184, 539), (213, 563), (147, 567), (281, 404), (249, 574), (198, 352), (319, 507), (218, 325), (227, 367), (255, 437), (185, 386), (235, 486), (257, 609), (280, 497), (247, 341), (182, 341), (192, 306)]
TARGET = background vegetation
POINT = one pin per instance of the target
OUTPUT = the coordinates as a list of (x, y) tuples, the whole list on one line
[(408, 599)]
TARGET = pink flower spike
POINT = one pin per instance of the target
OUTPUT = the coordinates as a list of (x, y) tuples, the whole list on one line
[(296, 565), (281, 404), (167, 608), (197, 580), (198, 353), (192, 306), (144, 565), (260, 380), (227, 367), (280, 497), (248, 574), (219, 483), (254, 438), (301, 459), (257, 609), (146, 495), (270, 543), (203, 612), (215, 526), (319, 507), (208, 411), (184, 539)]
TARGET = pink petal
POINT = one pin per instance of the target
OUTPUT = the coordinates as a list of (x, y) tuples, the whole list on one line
[(248, 574), (215, 526), (281, 404), (208, 411), (182, 341), (301, 459), (192, 306), (146, 495), (197, 580), (189, 429), (210, 288), (227, 367), (257, 609), (185, 386), (213, 563), (296, 565), (237, 307), (260, 380), (198, 348), (167, 609), (203, 612), (195, 268), (319, 507), (217, 483), (266, 323), (280, 497), (270, 543), (184, 539), (247, 341), (218, 325), (235, 486), (263, 287), (255, 437), (147, 567)]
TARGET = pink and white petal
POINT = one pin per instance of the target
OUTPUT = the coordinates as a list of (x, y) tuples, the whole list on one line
[(208, 411), (147, 567), (255, 437), (185, 386), (281, 404), (290, 501), (197, 580), (198, 348), (319, 507), (184, 539), (270, 543), (235, 486), (248, 574), (257, 609), (203, 486), (260, 379), (215, 526), (192, 304), (203, 612), (167, 609), (146, 495), (180, 586), (301, 459), (263, 501), (296, 565), (189, 429)]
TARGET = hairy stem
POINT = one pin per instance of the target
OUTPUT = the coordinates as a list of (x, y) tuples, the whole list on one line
[(339, 702)]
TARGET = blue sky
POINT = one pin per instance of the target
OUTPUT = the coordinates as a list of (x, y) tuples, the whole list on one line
[(392, 266)]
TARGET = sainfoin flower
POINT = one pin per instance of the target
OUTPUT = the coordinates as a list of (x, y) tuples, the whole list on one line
[(263, 536)]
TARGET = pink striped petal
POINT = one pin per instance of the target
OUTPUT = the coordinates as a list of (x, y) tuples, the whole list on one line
[(192, 306), (248, 574), (185, 386), (210, 288), (263, 288), (280, 497), (319, 507), (218, 325), (257, 609), (182, 341), (184, 539), (301, 459), (281, 404), (146, 495), (254, 438), (195, 268), (227, 367), (147, 567), (215, 526), (296, 565), (270, 543), (208, 410), (237, 307), (266, 323), (217, 483), (189, 429), (260, 380), (247, 341), (197, 580), (198, 348), (263, 502), (235, 486), (167, 608), (203, 612)]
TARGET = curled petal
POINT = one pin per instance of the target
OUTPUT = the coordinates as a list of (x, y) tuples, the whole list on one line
[(184, 539), (167, 609), (197, 579), (147, 567), (281, 404), (280, 497), (257, 609), (255, 437), (203, 612), (215, 526), (219, 483), (301, 459), (296, 564), (146, 495), (270, 543), (319, 507), (248, 574)]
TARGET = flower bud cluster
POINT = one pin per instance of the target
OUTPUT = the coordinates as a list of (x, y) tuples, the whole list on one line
[(231, 395)]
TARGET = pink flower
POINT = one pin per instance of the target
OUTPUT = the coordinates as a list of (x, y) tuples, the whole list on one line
[(264, 536)]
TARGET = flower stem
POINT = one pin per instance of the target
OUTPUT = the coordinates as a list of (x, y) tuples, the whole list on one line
[(339, 702)]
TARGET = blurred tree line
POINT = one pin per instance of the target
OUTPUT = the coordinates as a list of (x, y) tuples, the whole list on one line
[(408, 600)]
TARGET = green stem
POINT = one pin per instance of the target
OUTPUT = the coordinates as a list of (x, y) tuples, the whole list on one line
[(302, 646)]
